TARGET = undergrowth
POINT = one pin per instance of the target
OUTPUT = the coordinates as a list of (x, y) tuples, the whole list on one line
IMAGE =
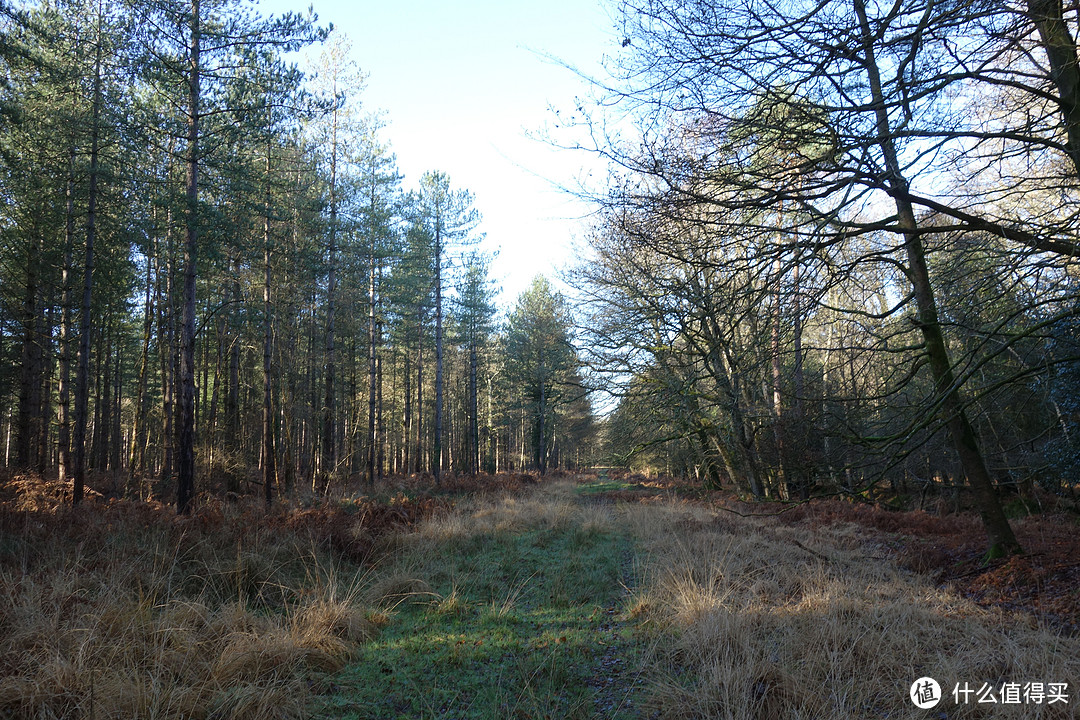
[(124, 610), (763, 619)]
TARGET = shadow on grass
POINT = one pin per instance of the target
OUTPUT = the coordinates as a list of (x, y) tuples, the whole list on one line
[(524, 624)]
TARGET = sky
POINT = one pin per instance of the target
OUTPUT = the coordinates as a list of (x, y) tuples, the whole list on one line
[(467, 87)]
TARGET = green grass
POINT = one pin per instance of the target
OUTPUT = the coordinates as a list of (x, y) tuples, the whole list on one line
[(520, 623), (603, 486)]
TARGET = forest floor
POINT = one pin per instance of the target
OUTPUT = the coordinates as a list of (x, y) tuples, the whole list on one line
[(588, 596), (948, 544)]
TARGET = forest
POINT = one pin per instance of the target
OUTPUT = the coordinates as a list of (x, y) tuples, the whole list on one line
[(212, 271), (837, 251), (257, 395)]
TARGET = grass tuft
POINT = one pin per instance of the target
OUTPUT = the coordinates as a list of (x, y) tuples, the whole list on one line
[(126, 611)]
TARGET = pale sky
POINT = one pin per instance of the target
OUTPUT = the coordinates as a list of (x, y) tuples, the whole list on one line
[(463, 84)]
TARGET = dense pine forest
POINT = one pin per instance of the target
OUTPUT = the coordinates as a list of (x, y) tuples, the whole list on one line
[(214, 280)]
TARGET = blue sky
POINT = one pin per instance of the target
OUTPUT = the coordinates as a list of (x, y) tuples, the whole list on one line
[(463, 84)]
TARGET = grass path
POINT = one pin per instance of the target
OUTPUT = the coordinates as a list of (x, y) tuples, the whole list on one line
[(508, 608), (549, 604)]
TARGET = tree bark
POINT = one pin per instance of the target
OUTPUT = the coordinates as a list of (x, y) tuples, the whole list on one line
[(136, 454), (474, 420), (372, 359), (999, 532), (541, 440), (82, 371), (406, 415), (269, 459), (28, 431), (419, 411), (329, 446), (437, 450), (185, 480), (64, 381), (1060, 47)]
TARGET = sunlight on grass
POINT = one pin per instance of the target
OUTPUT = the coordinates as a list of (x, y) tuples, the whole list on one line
[(147, 616), (527, 614), (757, 620)]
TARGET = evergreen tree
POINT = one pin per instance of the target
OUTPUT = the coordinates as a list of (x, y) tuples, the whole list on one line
[(542, 363)]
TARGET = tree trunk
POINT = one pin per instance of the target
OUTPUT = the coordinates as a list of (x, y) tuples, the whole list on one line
[(799, 412), (1060, 47), (777, 400), (436, 454), (329, 456), (406, 415), (45, 388), (999, 532), (82, 371), (185, 480), (380, 429), (419, 412), (28, 421), (116, 429), (167, 333), (64, 381), (269, 458), (541, 416), (136, 454), (371, 361), (474, 420)]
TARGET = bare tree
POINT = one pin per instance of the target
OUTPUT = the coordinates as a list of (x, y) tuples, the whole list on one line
[(863, 116)]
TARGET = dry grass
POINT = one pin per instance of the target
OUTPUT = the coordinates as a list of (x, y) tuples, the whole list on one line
[(756, 620), (125, 611), (480, 516)]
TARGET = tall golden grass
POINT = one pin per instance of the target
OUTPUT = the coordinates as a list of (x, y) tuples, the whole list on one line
[(125, 611), (755, 620)]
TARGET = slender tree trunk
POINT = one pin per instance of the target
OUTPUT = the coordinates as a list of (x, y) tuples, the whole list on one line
[(406, 415), (215, 386), (999, 532), (28, 421), (474, 420), (136, 454), (380, 430), (64, 381), (104, 405), (116, 455), (167, 332), (82, 371), (45, 389), (98, 368), (777, 400), (185, 481), (269, 459), (329, 456), (437, 450), (541, 416), (233, 432), (419, 413), (799, 413), (372, 359)]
